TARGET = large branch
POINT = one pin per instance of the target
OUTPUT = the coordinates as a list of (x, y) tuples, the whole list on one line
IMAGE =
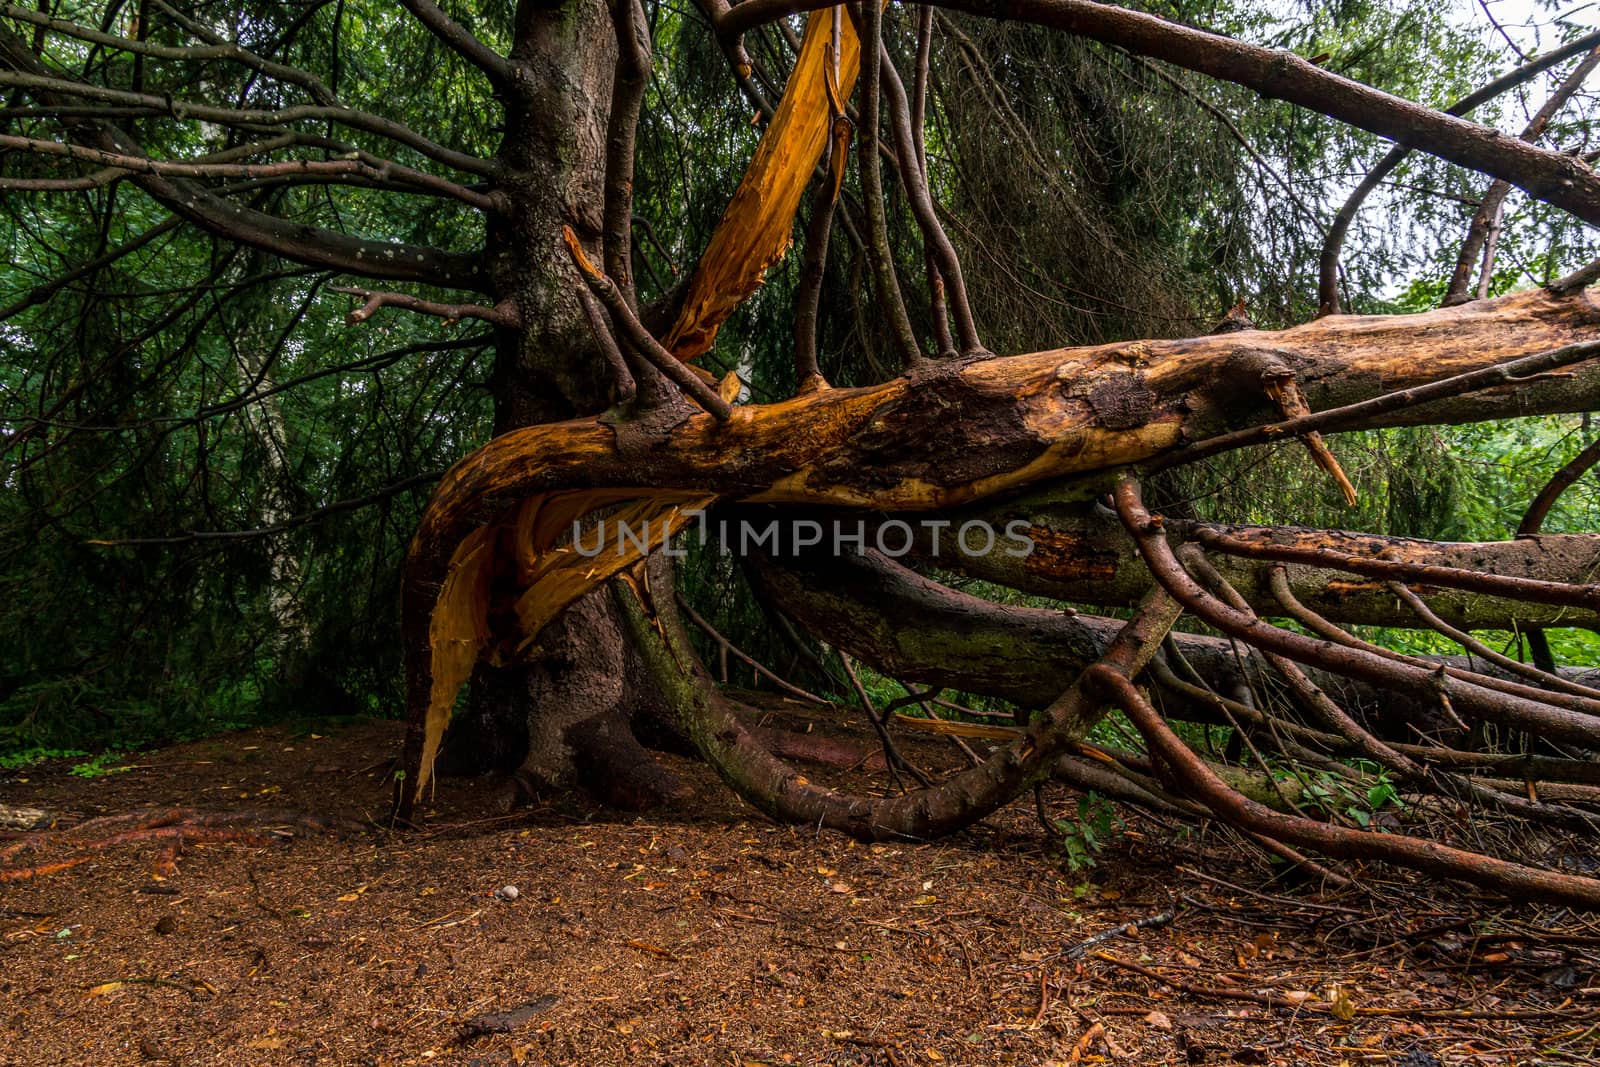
[(706, 718), (1553, 177), (955, 433), (1082, 554), (917, 630)]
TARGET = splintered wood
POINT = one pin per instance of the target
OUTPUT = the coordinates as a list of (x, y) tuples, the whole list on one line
[(563, 544), (756, 229), (753, 235)]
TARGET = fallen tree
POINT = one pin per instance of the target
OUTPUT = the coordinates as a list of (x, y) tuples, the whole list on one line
[(959, 433), (574, 657)]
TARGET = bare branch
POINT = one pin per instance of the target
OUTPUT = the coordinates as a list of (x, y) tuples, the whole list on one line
[(913, 176), (808, 294), (215, 48), (1533, 519), (1575, 468), (1485, 219), (317, 246), (463, 43), (634, 378), (870, 27), (1582, 278), (1521, 883), (627, 98), (183, 111), (1333, 244), (1546, 679), (502, 314), (120, 165), (682, 375)]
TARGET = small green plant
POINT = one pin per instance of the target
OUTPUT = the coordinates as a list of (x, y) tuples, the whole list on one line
[(1359, 800), (27, 757), (1083, 838), (101, 765)]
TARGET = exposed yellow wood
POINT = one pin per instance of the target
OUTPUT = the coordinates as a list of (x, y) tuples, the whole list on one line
[(949, 436), (563, 573), (456, 635), (755, 230), (951, 728), (551, 572)]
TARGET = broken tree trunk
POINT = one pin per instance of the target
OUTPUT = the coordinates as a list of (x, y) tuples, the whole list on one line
[(955, 433)]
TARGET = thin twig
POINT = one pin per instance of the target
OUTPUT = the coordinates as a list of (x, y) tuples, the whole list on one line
[(674, 368), (502, 314)]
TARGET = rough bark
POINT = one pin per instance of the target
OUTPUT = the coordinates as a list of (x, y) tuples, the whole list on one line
[(917, 630), (953, 434), (709, 719), (563, 714)]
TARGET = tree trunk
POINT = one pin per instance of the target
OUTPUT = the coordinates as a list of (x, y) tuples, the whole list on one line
[(561, 715), (917, 630)]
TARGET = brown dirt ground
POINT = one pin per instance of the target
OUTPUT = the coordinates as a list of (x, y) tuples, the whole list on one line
[(706, 935)]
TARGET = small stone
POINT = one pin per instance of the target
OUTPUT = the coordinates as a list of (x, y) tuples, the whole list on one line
[(507, 893)]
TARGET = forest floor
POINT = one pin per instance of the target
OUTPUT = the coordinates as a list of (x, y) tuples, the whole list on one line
[(705, 935)]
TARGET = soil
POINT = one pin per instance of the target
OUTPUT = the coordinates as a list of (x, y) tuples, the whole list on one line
[(702, 934)]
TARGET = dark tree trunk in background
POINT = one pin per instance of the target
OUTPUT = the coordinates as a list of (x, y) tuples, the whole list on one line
[(562, 717)]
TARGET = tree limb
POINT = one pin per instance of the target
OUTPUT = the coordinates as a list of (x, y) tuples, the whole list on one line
[(215, 47), (502, 314), (1333, 243), (300, 243), (120, 165), (184, 110), (1484, 219)]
